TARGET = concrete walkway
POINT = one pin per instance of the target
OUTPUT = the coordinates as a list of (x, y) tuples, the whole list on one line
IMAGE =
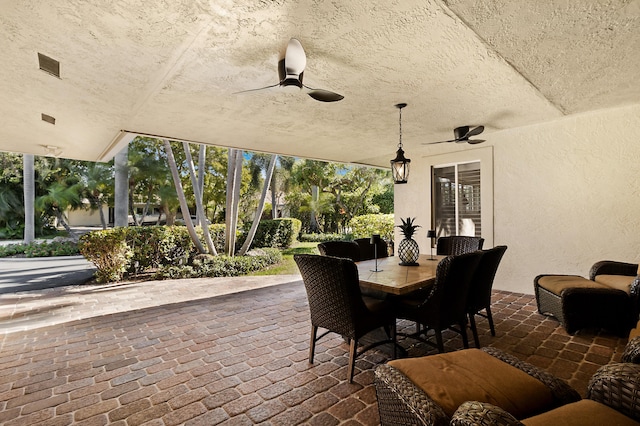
[(40, 308), (27, 274)]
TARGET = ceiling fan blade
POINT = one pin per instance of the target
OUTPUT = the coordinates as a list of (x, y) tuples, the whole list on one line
[(254, 90), (475, 141), (325, 95), (474, 132), (433, 143), (295, 59)]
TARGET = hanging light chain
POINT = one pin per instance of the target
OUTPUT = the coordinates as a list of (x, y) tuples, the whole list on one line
[(400, 122)]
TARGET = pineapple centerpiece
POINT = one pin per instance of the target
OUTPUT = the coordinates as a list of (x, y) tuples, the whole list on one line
[(408, 250)]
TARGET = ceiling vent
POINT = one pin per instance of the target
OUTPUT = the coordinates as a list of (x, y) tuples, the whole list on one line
[(49, 65), (49, 119)]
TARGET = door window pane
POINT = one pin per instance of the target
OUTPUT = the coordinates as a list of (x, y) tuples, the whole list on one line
[(456, 199)]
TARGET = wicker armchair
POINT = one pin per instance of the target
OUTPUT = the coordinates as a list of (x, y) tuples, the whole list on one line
[(336, 304), (445, 304), (431, 391), (457, 244), (346, 249), (479, 297), (613, 397)]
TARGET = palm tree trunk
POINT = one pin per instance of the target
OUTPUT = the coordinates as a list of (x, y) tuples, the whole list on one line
[(121, 202), (256, 219), (181, 197), (202, 158), (198, 196), (234, 179), (29, 198)]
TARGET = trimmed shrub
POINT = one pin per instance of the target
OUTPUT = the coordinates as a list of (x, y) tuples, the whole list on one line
[(108, 251), (366, 225), (279, 233)]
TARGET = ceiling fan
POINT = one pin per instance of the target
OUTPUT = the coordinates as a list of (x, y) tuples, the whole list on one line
[(462, 134), (290, 71)]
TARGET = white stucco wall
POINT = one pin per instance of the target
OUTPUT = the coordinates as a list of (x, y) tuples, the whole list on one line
[(565, 195)]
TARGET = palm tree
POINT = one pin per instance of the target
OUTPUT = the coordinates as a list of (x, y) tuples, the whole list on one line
[(260, 208), (183, 201)]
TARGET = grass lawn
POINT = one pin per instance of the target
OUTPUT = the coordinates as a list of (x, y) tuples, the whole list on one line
[(288, 266)]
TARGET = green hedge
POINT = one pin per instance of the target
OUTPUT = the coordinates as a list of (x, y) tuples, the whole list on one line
[(222, 266), (321, 238), (277, 233), (41, 249)]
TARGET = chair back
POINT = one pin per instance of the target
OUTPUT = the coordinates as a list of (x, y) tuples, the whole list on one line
[(368, 250), (482, 282), (333, 290), (346, 249), (447, 302), (458, 244)]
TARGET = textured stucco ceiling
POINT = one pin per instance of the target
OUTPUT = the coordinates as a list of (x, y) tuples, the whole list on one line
[(170, 68)]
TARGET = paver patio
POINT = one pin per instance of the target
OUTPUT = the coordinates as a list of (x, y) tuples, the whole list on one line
[(198, 352)]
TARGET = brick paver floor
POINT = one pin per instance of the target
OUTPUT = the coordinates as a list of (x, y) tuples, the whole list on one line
[(182, 352)]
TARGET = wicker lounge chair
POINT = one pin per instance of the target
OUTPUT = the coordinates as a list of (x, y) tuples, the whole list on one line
[(613, 398), (428, 390), (608, 300)]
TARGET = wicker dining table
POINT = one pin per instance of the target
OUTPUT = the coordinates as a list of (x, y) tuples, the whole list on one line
[(397, 279)]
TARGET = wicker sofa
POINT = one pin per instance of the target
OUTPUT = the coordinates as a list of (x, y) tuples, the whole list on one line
[(608, 299), (488, 387)]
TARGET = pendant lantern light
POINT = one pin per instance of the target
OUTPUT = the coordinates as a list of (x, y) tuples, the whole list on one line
[(400, 164)]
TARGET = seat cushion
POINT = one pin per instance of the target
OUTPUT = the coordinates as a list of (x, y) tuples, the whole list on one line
[(582, 413), (556, 283), (452, 378), (619, 282)]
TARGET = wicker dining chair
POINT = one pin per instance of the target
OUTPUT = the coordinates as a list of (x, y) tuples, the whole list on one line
[(445, 304), (347, 249), (368, 250), (336, 304), (458, 244), (479, 297)]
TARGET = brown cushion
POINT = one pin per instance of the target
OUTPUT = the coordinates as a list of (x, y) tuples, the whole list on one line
[(581, 413), (619, 282), (556, 283), (473, 375)]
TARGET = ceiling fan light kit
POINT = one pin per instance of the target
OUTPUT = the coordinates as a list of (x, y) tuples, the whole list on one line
[(400, 164), (290, 72)]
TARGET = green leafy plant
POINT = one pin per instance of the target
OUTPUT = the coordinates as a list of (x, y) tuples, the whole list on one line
[(408, 228)]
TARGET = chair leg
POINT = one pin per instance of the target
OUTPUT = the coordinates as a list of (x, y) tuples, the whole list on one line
[(439, 341), (394, 340), (463, 333), (474, 329), (490, 318), (352, 359), (312, 342)]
